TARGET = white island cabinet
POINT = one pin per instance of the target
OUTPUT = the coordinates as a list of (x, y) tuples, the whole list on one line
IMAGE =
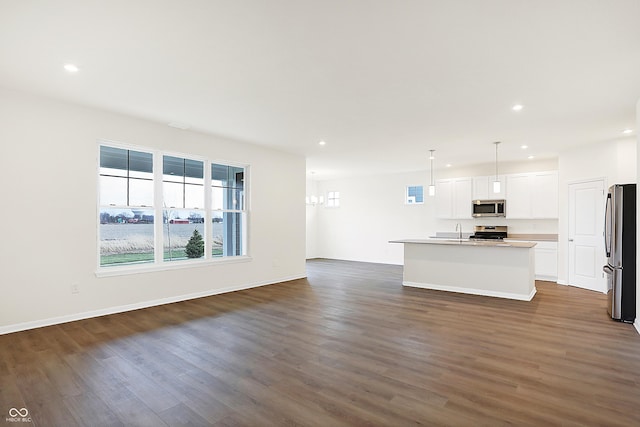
[(496, 269)]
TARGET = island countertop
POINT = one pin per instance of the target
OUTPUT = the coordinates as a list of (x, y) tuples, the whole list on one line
[(467, 242)]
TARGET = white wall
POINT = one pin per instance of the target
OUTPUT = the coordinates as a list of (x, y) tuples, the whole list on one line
[(372, 212), (615, 161), (48, 170), (312, 222)]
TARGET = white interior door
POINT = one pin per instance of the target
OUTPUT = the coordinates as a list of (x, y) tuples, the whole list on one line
[(586, 227)]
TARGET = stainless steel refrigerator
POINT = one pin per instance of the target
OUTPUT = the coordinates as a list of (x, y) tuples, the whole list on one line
[(620, 248)]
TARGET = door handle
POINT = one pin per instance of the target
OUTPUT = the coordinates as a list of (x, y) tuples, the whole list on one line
[(571, 240)]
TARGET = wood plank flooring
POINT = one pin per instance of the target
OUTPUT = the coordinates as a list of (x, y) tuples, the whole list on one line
[(349, 346)]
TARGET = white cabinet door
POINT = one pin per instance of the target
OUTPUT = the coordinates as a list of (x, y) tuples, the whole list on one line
[(518, 196), (462, 195), (483, 187), (480, 188), (444, 198), (546, 261), (453, 198), (544, 195)]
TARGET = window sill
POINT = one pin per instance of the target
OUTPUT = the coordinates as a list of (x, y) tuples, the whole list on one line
[(165, 266)]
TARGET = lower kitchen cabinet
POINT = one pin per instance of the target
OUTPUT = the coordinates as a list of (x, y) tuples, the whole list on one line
[(546, 254)]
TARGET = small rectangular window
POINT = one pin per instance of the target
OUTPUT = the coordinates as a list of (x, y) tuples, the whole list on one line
[(414, 195), (333, 199)]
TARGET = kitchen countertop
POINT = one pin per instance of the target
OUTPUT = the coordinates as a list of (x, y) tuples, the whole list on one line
[(467, 242), (534, 237)]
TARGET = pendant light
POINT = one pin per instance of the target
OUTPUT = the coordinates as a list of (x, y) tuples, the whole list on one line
[(496, 183), (432, 187)]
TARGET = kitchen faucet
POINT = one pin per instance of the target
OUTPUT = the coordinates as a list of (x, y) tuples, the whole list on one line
[(459, 230)]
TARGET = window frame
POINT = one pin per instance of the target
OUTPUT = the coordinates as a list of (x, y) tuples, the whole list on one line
[(406, 195), (159, 264), (243, 211), (330, 201)]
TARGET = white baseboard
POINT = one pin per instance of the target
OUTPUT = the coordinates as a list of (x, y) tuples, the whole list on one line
[(472, 291), (136, 306), (637, 325)]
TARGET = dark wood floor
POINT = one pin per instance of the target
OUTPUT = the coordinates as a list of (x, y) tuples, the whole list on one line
[(348, 346)]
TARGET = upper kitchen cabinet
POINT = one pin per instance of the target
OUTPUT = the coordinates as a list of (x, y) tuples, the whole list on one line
[(453, 198), (532, 195), (444, 198), (483, 188), (544, 195)]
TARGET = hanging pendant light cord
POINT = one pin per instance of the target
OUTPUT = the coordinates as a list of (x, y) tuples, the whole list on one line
[(431, 160), (496, 144)]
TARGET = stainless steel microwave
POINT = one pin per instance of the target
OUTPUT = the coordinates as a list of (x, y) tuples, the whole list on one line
[(483, 208)]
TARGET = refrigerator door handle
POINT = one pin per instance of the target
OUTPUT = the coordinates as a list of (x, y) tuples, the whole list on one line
[(607, 230), (607, 269)]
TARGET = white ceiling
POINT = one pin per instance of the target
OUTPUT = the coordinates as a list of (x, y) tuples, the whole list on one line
[(381, 82)]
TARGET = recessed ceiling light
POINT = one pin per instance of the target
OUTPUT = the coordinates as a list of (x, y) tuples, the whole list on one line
[(524, 147), (531, 157), (322, 143), (72, 68), (517, 107), (448, 165), (627, 131)]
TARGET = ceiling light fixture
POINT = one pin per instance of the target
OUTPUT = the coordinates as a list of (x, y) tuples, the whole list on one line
[(313, 200), (322, 143), (72, 68), (432, 187), (517, 107), (496, 183), (524, 147), (448, 165), (627, 131), (531, 157)]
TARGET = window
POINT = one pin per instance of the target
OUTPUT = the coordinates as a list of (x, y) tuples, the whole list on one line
[(126, 206), (333, 199), (228, 205), (414, 195), (192, 222), (183, 206)]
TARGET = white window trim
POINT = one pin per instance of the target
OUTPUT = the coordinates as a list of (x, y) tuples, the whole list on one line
[(122, 270), (159, 264)]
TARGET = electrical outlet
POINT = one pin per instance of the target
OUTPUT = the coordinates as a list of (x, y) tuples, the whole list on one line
[(75, 288)]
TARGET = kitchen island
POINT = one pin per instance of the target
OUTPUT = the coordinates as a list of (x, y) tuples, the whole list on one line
[(490, 268)]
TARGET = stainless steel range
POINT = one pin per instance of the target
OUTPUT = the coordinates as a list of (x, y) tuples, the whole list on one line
[(489, 232)]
